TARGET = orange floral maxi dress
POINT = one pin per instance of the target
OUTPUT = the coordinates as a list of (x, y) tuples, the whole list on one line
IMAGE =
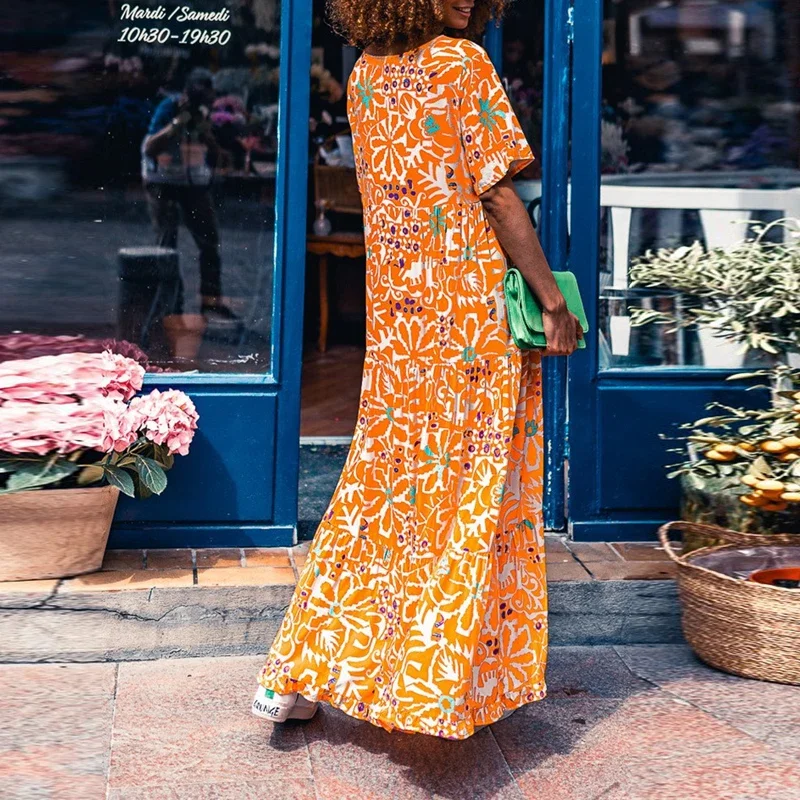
[(422, 604)]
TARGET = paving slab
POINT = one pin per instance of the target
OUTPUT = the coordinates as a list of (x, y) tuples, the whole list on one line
[(597, 672), (143, 624), (184, 727), (350, 760), (633, 570), (645, 747), (769, 712), (726, 775), (55, 736), (103, 621)]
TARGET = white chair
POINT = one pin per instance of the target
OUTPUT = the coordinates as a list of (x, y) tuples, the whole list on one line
[(724, 212)]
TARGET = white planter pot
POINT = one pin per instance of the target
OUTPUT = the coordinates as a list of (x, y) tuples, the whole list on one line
[(718, 352)]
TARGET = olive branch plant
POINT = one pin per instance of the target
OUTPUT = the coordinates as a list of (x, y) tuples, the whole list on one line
[(749, 293)]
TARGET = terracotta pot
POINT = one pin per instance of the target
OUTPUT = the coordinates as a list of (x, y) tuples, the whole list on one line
[(185, 334), (54, 533), (785, 577)]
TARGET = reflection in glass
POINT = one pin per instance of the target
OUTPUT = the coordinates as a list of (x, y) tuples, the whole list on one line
[(137, 180), (700, 102), (522, 71)]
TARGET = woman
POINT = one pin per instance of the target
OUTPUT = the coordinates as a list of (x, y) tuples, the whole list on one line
[(422, 605)]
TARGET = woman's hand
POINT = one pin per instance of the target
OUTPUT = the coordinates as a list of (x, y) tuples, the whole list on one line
[(509, 219), (562, 331)]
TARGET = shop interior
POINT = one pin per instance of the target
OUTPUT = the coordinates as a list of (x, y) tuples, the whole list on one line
[(335, 285)]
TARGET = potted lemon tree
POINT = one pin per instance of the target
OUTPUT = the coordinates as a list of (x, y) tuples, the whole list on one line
[(740, 467), (74, 433)]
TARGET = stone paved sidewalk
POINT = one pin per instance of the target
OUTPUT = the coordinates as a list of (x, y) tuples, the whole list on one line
[(625, 723)]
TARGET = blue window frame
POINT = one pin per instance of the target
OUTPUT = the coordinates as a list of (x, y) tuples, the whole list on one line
[(552, 228), (239, 484), (618, 488)]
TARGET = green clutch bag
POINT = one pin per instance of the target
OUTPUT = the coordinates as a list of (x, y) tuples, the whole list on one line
[(525, 313)]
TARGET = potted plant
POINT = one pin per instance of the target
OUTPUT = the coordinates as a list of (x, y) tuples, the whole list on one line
[(73, 434), (740, 298), (741, 466)]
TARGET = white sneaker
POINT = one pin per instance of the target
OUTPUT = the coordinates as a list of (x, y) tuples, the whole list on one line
[(506, 714), (280, 707)]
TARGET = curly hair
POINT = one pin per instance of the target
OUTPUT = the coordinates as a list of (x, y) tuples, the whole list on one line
[(390, 22)]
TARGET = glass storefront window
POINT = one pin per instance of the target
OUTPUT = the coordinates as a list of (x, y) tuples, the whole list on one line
[(138, 148), (697, 95), (522, 71)]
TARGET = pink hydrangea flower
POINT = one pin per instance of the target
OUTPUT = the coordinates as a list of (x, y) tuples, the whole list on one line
[(41, 429), (18, 346), (65, 378), (84, 401), (123, 376), (121, 426), (167, 418)]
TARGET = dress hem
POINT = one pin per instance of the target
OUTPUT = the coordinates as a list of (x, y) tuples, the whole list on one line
[(360, 710)]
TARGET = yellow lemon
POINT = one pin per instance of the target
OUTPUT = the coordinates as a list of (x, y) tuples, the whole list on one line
[(715, 455), (770, 487), (788, 457), (727, 449), (772, 447), (746, 446), (791, 442)]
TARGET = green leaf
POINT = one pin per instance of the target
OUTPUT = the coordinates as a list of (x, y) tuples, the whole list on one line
[(34, 475), (119, 478), (13, 464), (151, 474), (90, 474), (762, 467), (695, 481), (140, 489)]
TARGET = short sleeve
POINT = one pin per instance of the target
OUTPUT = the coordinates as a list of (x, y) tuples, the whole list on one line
[(494, 144)]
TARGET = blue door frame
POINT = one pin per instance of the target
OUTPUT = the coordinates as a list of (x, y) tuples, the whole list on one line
[(552, 230), (617, 485), (238, 486)]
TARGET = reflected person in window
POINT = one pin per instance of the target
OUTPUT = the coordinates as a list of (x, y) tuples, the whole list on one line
[(179, 155)]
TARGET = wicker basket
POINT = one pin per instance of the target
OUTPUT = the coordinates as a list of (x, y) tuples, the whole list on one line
[(737, 626)]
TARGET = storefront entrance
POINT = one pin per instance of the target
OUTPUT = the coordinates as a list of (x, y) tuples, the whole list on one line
[(334, 326), (654, 124)]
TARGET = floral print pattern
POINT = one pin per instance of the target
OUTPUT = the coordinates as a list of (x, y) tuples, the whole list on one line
[(422, 605)]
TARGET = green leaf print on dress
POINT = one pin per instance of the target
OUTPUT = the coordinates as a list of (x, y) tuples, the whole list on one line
[(366, 91), (489, 114), (438, 221)]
